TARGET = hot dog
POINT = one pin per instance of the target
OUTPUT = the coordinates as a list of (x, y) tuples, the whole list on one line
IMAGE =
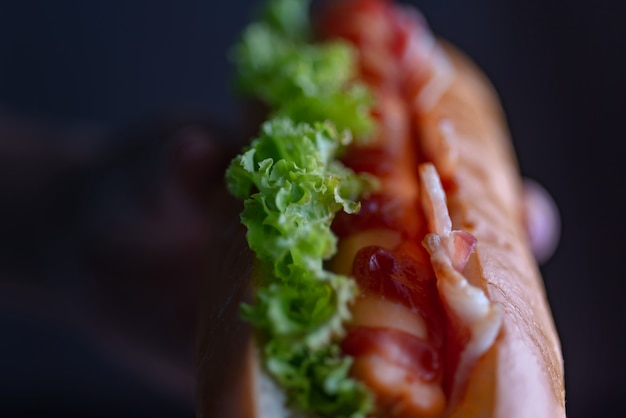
[(391, 275)]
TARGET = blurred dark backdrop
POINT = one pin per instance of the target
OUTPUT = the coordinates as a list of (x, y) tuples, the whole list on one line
[(108, 109)]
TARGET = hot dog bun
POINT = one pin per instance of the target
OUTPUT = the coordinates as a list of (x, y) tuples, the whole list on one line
[(524, 369), (464, 138)]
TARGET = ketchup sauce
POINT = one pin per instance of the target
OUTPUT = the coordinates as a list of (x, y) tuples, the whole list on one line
[(378, 211), (391, 275), (333, 24), (402, 275), (385, 38), (374, 161), (396, 347)]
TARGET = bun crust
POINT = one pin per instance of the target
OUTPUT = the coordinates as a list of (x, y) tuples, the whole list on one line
[(223, 355), (524, 367)]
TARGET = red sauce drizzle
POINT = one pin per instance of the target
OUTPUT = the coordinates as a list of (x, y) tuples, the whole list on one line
[(396, 347), (378, 211), (403, 275), (456, 339), (333, 23), (375, 161)]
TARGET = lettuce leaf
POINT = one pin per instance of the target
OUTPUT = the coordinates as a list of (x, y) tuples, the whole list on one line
[(299, 187), (319, 378), (306, 82), (293, 186), (289, 18)]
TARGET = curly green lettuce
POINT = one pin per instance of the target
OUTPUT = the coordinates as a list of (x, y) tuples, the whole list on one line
[(306, 82), (292, 185)]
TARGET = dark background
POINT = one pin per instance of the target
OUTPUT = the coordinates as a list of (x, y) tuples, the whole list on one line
[(93, 97)]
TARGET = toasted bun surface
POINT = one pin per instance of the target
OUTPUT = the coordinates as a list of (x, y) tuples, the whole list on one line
[(464, 134), (524, 369)]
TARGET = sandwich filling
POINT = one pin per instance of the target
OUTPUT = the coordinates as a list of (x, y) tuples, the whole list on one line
[(361, 304)]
